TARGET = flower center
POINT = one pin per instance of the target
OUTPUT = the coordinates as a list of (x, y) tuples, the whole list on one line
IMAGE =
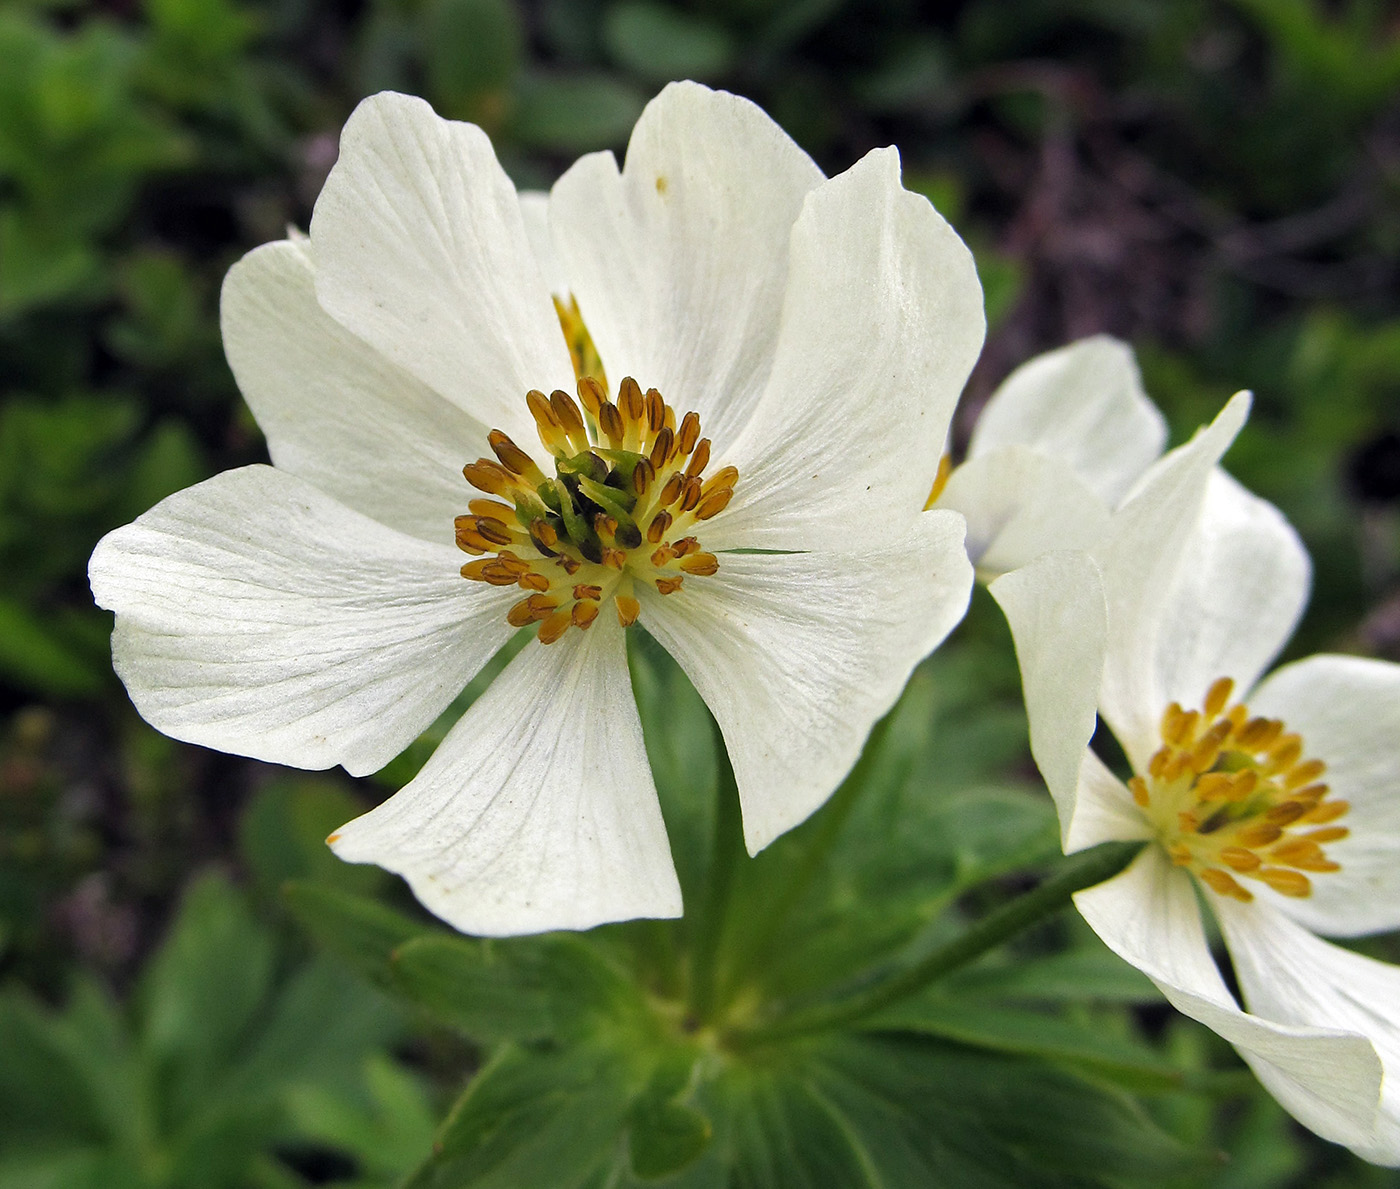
[(628, 486), (1232, 795)]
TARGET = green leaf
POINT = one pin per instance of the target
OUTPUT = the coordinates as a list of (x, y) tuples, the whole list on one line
[(218, 1147), (533, 1117), (386, 1132), (202, 992), (903, 858), (41, 265), (33, 656), (46, 1099), (321, 1028), (515, 989), (931, 1114), (358, 930), (75, 1169), (681, 753), (169, 459), (472, 50), (575, 113), (1093, 973), (1031, 1033), (164, 315), (205, 32), (476, 986), (664, 1135), (282, 835), (659, 43)]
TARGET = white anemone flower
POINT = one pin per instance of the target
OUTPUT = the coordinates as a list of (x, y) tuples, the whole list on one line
[(317, 611), (1277, 802), (1054, 451)]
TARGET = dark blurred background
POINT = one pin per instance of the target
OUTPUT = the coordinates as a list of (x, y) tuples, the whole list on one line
[(1216, 181)]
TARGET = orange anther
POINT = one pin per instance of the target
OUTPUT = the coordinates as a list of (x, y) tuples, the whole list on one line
[(1224, 884), (1285, 882), (1217, 696)]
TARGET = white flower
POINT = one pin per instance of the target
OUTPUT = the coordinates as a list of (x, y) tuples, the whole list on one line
[(312, 613), (1279, 801), (1054, 451)]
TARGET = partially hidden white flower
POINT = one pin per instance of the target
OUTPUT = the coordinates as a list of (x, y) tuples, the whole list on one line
[(1054, 451), (1279, 800), (312, 613)]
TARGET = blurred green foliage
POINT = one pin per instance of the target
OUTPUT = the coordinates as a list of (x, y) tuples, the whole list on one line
[(226, 1068), (1215, 180)]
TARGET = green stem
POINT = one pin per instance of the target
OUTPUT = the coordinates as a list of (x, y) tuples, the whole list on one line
[(728, 845), (1078, 871), (827, 828)]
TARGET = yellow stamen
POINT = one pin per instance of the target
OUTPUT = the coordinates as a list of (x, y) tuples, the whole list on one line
[(1224, 883), (1217, 696), (628, 489), (1287, 883), (555, 626), (582, 352), (1234, 796)]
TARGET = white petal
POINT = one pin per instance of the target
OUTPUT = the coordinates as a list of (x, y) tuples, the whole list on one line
[(797, 655), (1140, 559), (538, 810), (1325, 1076), (1348, 711), (258, 616), (881, 324), (1059, 621), (1148, 916), (1291, 976), (420, 249), (1020, 504), (1103, 809), (679, 262), (534, 209), (1240, 586), (1082, 404), (336, 412)]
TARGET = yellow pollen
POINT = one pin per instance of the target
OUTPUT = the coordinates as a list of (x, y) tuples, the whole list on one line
[(1234, 797), (617, 514)]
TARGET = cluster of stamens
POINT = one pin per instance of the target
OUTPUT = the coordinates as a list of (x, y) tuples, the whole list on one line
[(628, 486), (1233, 796)]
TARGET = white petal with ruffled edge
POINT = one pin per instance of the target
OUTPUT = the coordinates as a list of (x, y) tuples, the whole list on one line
[(1085, 406), (1019, 504), (538, 810), (1141, 559), (797, 655), (881, 324), (258, 616), (420, 249), (335, 411), (1291, 976), (1347, 710), (679, 261), (1240, 587), (1059, 621), (1329, 1078)]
